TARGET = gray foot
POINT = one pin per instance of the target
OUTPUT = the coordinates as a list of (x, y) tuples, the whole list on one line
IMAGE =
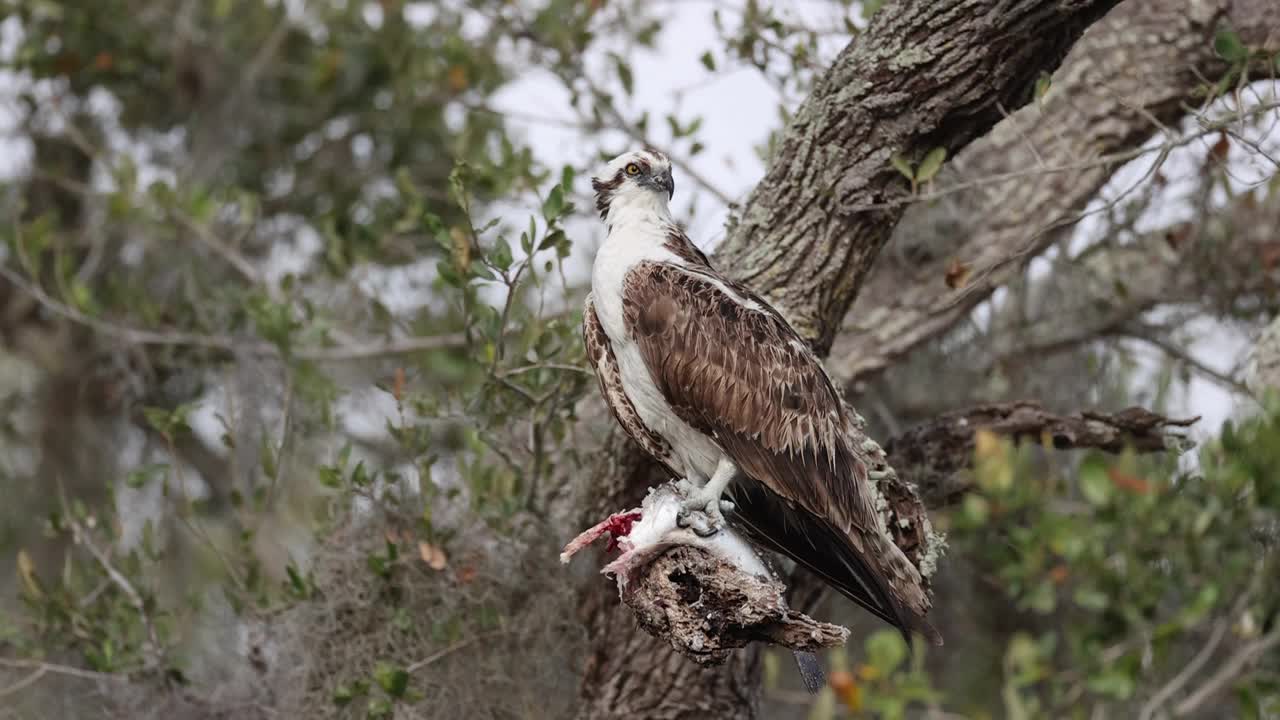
[(703, 512)]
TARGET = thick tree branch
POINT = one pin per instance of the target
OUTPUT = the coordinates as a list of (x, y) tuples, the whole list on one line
[(925, 75), (937, 454), (1131, 76)]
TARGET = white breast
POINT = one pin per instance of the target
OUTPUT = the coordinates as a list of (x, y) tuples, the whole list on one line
[(626, 247)]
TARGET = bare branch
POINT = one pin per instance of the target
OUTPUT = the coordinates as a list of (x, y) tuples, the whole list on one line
[(936, 454), (154, 651), (350, 351), (40, 668), (451, 649), (1181, 355), (1234, 667), (1176, 683)]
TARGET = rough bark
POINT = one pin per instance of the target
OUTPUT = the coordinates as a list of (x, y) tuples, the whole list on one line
[(1135, 72), (937, 454), (706, 607), (926, 74)]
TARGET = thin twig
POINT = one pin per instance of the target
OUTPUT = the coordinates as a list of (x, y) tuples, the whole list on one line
[(24, 682), (461, 644), (546, 366), (1178, 681), (219, 248), (178, 338), (82, 537), (23, 664), (1162, 149), (1182, 355), (1229, 671)]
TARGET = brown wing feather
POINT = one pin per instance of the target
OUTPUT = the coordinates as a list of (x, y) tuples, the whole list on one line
[(744, 377)]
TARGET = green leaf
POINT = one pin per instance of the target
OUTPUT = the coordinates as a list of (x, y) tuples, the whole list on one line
[(886, 650), (1091, 599), (976, 508), (1042, 598), (330, 477), (1115, 683), (931, 164), (1095, 484), (392, 678), (298, 584), (708, 61), (81, 296), (903, 167), (378, 709), (554, 204), (624, 74), (553, 239), (458, 185), (1204, 601), (1226, 82), (1042, 86), (501, 255), (343, 695), (168, 422), (140, 476), (1229, 46), (267, 457), (360, 476)]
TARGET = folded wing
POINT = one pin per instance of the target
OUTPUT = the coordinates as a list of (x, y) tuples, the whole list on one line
[(731, 367)]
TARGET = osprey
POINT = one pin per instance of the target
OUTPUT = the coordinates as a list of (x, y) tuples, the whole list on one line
[(719, 388)]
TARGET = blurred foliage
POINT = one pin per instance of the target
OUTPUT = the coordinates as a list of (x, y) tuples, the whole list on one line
[(1137, 565), (1128, 576), (291, 370)]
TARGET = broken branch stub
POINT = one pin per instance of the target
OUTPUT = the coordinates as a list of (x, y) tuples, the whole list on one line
[(706, 595), (705, 607)]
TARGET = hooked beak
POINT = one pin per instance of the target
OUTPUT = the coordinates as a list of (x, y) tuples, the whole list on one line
[(665, 182)]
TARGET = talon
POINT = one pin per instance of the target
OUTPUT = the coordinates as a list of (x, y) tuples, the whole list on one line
[(699, 522), (705, 519)]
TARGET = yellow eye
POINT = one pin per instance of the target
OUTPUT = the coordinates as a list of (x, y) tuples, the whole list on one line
[(633, 169)]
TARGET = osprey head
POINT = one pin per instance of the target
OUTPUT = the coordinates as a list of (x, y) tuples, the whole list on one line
[(639, 176)]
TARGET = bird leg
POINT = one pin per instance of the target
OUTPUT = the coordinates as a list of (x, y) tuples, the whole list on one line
[(703, 510)]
